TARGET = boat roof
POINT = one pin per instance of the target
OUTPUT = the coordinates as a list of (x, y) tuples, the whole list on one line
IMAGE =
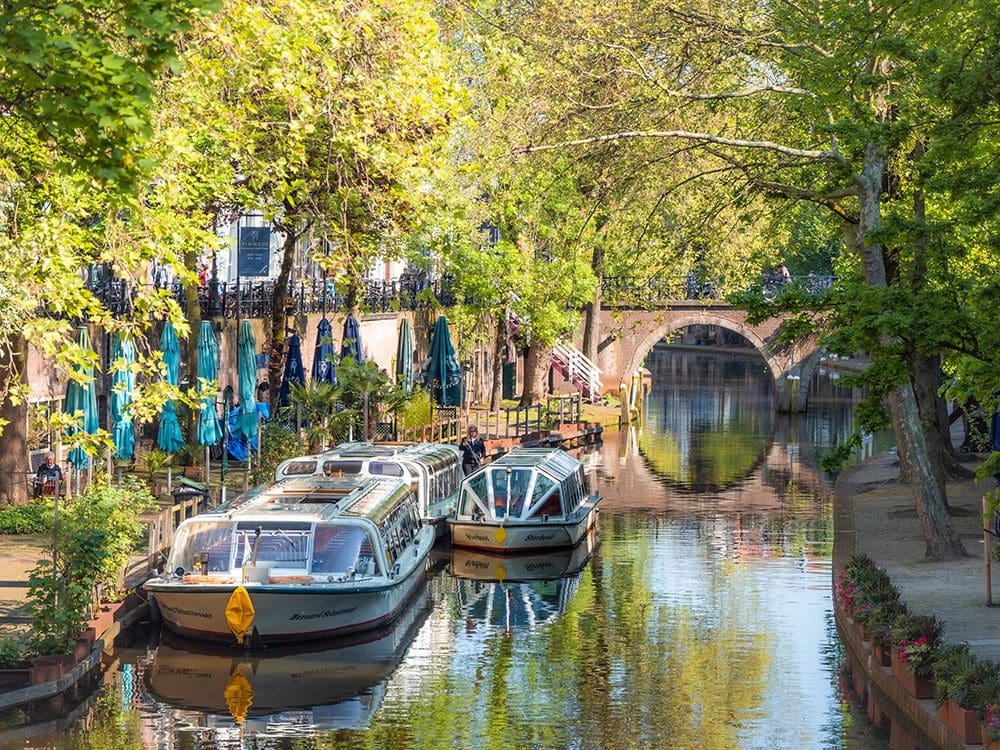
[(396, 450), (555, 462), (322, 496)]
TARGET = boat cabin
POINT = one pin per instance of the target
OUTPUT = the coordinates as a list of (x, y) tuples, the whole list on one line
[(301, 530), (527, 484), (433, 470)]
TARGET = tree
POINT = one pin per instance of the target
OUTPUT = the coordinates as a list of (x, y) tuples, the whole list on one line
[(829, 104), (77, 101)]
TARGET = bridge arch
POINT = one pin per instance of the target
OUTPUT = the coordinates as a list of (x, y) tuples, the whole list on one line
[(629, 336)]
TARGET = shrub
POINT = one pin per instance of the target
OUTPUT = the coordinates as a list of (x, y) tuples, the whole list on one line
[(34, 517), (97, 535), (978, 688), (11, 653), (880, 621), (280, 442)]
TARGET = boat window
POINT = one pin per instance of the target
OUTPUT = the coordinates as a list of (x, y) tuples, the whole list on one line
[(293, 468), (475, 489), (338, 468), (284, 545), (385, 468), (550, 506), (212, 539), (339, 549), (510, 489)]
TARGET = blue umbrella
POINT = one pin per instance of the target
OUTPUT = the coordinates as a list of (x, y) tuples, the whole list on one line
[(404, 357), (351, 346), (81, 401), (169, 438), (122, 389), (209, 429), (246, 368), (442, 373), (293, 368), (324, 354)]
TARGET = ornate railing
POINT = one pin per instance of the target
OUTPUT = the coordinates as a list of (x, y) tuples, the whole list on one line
[(663, 289), (255, 299)]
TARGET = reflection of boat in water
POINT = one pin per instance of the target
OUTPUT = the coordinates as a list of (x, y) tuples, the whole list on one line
[(529, 499), (336, 684), (518, 592), (306, 557)]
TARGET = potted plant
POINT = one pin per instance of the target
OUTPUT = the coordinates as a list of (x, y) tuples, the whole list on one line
[(916, 640), (991, 728), (874, 590), (953, 688), (878, 626)]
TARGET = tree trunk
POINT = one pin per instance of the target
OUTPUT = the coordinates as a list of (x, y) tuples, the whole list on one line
[(536, 368), (14, 456), (929, 497), (499, 354), (279, 319), (592, 310), (927, 378)]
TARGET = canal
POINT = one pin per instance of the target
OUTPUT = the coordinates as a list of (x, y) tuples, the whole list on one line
[(699, 617)]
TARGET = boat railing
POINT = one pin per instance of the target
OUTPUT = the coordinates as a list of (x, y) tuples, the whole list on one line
[(163, 523)]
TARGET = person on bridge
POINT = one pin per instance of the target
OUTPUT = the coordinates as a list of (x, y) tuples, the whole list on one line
[(473, 450)]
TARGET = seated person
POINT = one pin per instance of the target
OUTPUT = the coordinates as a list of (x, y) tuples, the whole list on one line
[(47, 473)]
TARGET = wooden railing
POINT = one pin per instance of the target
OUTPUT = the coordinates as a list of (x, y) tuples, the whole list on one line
[(164, 523)]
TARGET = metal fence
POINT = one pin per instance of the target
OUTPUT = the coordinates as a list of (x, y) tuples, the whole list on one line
[(255, 299), (627, 291)]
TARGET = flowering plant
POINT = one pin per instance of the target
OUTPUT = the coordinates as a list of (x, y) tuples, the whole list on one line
[(845, 590), (992, 723), (917, 638)]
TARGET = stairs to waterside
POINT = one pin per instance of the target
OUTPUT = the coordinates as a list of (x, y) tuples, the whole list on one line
[(578, 369)]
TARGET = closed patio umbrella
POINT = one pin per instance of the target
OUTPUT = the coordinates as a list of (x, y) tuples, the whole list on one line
[(404, 357), (293, 369), (351, 345), (209, 429), (324, 354), (81, 400), (169, 438), (246, 369), (122, 390), (442, 373)]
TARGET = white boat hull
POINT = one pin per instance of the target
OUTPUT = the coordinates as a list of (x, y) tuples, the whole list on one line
[(285, 613), (524, 536)]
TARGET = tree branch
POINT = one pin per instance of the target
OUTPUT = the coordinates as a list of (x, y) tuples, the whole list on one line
[(822, 156)]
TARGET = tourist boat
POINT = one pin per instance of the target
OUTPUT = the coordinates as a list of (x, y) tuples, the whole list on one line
[(529, 499), (307, 557), (304, 688), (433, 470)]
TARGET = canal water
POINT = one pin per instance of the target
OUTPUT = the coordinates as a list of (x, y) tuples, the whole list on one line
[(700, 616)]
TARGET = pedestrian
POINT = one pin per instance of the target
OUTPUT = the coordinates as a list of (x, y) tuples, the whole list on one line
[(47, 475), (473, 450)]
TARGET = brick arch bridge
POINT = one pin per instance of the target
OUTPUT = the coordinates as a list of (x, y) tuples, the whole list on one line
[(628, 335)]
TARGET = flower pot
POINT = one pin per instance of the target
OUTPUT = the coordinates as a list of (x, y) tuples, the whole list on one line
[(916, 685), (14, 679), (988, 744), (963, 722), (881, 656)]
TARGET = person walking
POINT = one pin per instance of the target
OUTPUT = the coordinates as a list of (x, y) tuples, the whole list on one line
[(473, 450)]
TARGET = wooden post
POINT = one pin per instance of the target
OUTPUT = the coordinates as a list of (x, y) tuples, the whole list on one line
[(986, 556)]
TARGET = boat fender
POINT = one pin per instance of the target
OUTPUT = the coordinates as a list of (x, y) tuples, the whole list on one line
[(291, 579)]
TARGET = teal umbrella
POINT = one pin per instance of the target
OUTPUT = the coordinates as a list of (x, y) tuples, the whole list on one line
[(169, 438), (404, 357), (442, 373), (122, 390), (246, 368), (209, 429), (81, 401)]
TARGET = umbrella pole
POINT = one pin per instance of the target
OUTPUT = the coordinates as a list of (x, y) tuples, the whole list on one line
[(208, 469), (170, 473)]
